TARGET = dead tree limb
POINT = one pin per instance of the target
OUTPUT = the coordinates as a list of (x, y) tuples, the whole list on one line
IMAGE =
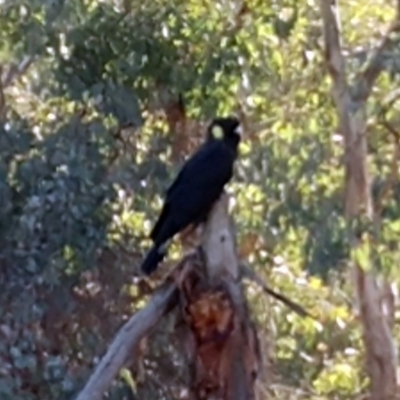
[(219, 337), (247, 272), (350, 105), (126, 340)]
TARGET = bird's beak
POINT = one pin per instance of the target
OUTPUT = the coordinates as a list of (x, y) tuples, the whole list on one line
[(239, 131)]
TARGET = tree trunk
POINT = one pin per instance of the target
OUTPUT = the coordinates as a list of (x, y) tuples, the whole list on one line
[(380, 351), (220, 337)]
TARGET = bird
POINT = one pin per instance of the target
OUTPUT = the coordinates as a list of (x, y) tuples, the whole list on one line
[(197, 186)]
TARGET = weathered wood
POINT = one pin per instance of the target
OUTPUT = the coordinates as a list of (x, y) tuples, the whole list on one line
[(126, 340), (220, 336), (221, 342), (219, 243)]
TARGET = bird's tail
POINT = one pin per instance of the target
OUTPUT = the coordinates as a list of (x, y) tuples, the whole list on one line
[(152, 259)]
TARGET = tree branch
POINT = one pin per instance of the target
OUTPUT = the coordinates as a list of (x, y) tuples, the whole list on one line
[(388, 102), (333, 48), (336, 65), (247, 272), (126, 340), (367, 77), (335, 60), (357, 196)]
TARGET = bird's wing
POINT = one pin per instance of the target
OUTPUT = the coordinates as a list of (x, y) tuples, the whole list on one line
[(191, 166), (160, 221), (198, 170), (196, 186)]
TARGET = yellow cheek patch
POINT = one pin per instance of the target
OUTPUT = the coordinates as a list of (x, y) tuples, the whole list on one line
[(244, 148), (217, 132)]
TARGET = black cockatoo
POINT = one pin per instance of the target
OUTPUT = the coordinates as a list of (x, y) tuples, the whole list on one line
[(197, 186)]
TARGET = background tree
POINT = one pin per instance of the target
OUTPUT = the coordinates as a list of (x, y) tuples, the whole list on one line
[(92, 132), (363, 224)]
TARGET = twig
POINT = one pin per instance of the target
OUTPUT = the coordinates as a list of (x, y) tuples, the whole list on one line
[(126, 340), (247, 272)]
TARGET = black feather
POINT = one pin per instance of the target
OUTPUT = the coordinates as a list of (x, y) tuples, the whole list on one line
[(152, 259), (198, 185)]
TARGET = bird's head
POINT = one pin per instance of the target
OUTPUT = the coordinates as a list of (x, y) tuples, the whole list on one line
[(227, 129)]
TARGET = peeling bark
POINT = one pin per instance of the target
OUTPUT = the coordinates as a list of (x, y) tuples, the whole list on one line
[(222, 339)]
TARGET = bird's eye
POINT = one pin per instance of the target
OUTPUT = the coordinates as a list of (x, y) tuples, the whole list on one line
[(217, 132), (239, 130)]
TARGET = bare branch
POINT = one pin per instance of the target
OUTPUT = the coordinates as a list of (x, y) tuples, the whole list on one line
[(334, 55), (390, 99), (248, 273), (367, 77), (333, 48), (126, 340), (336, 66)]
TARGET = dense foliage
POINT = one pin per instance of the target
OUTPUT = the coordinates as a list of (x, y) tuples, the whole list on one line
[(85, 154)]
